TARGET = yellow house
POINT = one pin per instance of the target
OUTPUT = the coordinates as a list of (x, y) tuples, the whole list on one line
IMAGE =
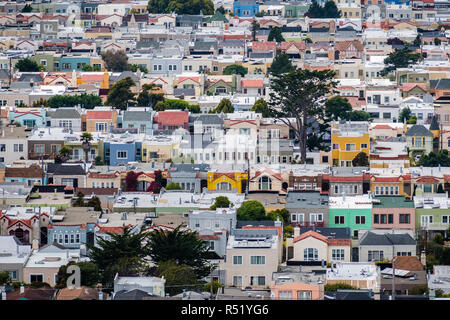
[(348, 139), (218, 181), (391, 185), (256, 66), (103, 180), (159, 149), (100, 79)]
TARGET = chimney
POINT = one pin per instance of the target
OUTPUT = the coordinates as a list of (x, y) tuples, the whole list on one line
[(343, 196), (22, 289), (423, 258), (296, 231)]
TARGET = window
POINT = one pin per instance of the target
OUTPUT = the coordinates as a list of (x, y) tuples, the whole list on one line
[(265, 183), (360, 220), (405, 218), (122, 154), (237, 259), (72, 238), (257, 260), (77, 238), (363, 145), (101, 126), (376, 218), (13, 275), (403, 253), (390, 218), (2, 147), (310, 254), (337, 254), (350, 147), (303, 295), (257, 280), (66, 238), (375, 255), (284, 295), (36, 278), (339, 220), (315, 217), (224, 186), (425, 220), (237, 281), (445, 219)]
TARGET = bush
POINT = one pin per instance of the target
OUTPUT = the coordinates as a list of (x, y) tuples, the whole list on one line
[(336, 286), (418, 290), (221, 202), (4, 278), (216, 286), (173, 186)]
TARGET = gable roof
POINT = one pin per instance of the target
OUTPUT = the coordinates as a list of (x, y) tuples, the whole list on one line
[(410, 263), (418, 130), (33, 171), (172, 117), (64, 113), (61, 169), (387, 239)]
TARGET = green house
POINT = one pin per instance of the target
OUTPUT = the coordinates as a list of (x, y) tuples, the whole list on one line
[(432, 213), (419, 140)]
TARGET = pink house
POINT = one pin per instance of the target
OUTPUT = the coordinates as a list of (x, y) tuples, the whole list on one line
[(298, 291), (393, 212)]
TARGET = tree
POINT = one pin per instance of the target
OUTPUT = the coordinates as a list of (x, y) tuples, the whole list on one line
[(221, 9), (40, 103), (314, 10), (300, 95), (63, 155), (123, 253), (4, 278), (182, 247), (136, 67), (79, 202), (173, 186), (131, 180), (281, 64), (404, 115), (192, 7), (337, 108), (89, 274), (225, 106), (95, 203), (99, 161), (116, 61), (437, 41), (221, 202), (147, 98), (252, 210), (86, 139), (27, 65), (417, 41), (308, 40), (120, 94), (87, 101), (275, 34), (235, 69), (254, 28), (27, 8), (178, 277), (89, 68), (216, 286), (399, 59), (435, 159), (418, 290), (359, 115), (261, 106), (283, 214), (360, 160), (329, 10)]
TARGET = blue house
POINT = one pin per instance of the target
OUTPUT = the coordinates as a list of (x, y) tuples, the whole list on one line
[(71, 236), (69, 63), (122, 149), (27, 175), (245, 8), (142, 120), (29, 117)]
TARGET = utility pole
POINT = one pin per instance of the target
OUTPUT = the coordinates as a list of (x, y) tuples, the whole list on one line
[(211, 286), (393, 273)]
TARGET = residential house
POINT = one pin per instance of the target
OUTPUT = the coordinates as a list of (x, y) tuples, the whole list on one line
[(189, 176), (362, 275), (73, 175), (323, 246), (14, 145), (45, 143), (251, 258), (151, 285), (171, 120), (383, 245), (13, 256), (439, 279), (29, 117), (138, 119), (393, 212), (68, 118), (307, 208), (297, 286), (432, 214), (122, 149), (265, 180), (227, 181), (419, 140), (43, 264), (29, 176), (99, 120), (349, 139)]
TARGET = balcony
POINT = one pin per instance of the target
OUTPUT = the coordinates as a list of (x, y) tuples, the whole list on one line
[(38, 156), (308, 224)]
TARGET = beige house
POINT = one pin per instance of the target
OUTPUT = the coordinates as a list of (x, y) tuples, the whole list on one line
[(43, 264), (251, 258), (266, 180), (313, 246), (103, 180)]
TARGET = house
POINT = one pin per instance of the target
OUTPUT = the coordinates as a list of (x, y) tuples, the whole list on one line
[(45, 143), (354, 212), (349, 139), (297, 286), (153, 286), (143, 120), (66, 174), (99, 120), (353, 181), (171, 120), (67, 118), (227, 181), (122, 149), (393, 212), (384, 244), (189, 176), (29, 117), (409, 273), (251, 258), (362, 275), (432, 214), (14, 145), (28, 175), (82, 293), (245, 8), (43, 264), (419, 140), (103, 179), (439, 279), (315, 246), (13, 256), (30, 293), (265, 180), (307, 208)]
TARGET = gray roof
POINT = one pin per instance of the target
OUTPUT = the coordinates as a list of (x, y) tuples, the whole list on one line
[(26, 77), (418, 130), (206, 119), (64, 113), (60, 169), (254, 233), (387, 239), (306, 199), (205, 45), (137, 116), (123, 75), (184, 92), (440, 84), (135, 294), (189, 167)]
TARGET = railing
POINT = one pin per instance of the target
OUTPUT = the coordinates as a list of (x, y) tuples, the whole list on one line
[(307, 224), (38, 155)]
